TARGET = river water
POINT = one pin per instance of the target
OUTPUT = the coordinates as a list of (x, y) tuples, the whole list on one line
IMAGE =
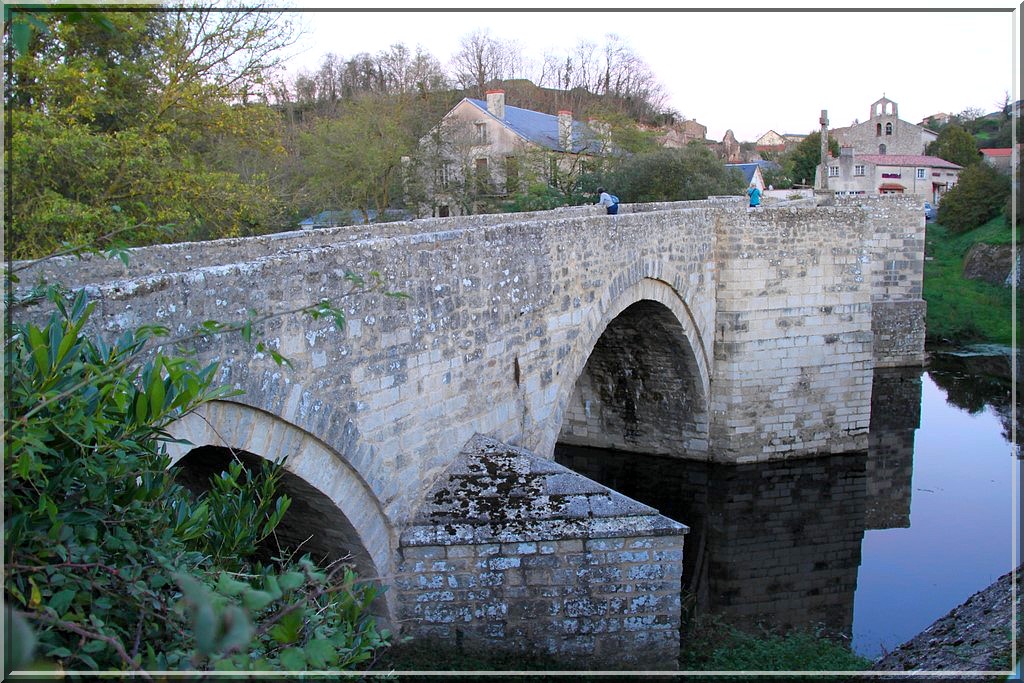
[(964, 500), (868, 547)]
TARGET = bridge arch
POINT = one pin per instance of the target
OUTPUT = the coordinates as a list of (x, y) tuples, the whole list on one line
[(639, 368), (322, 485)]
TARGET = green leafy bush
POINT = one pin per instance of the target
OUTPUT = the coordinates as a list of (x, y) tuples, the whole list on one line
[(538, 197), (674, 175), (979, 196), (113, 564)]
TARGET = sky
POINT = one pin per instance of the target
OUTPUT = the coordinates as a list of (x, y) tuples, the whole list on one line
[(751, 68)]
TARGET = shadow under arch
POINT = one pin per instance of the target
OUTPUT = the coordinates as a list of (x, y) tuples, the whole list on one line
[(322, 484), (642, 362)]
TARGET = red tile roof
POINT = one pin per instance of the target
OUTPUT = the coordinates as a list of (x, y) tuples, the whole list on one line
[(905, 160), (996, 151)]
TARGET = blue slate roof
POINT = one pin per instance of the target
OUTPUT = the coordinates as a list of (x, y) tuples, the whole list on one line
[(747, 169), (542, 129), (328, 219)]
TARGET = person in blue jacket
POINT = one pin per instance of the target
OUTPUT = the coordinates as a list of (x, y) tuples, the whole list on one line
[(608, 200), (755, 196)]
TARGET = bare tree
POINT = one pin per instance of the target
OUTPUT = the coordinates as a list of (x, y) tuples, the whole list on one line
[(613, 69), (482, 58), (405, 72)]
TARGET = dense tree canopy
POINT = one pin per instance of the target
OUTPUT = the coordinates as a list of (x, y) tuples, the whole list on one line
[(356, 160), (674, 175), (980, 194), (122, 125), (956, 145), (803, 161)]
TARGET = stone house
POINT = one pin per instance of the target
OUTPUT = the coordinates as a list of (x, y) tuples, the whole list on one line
[(728, 150), (1001, 158), (679, 135), (777, 142), (885, 133), (770, 142), (923, 176), (486, 151)]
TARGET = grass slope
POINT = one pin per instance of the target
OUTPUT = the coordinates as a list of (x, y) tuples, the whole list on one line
[(960, 310)]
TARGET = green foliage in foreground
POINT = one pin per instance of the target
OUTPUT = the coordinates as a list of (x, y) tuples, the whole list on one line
[(715, 646), (961, 310), (111, 565)]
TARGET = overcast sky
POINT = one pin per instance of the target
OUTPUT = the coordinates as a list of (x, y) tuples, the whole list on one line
[(745, 70)]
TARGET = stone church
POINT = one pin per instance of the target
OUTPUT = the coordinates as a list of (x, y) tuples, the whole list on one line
[(885, 133)]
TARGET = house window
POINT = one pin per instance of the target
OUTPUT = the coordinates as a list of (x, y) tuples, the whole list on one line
[(858, 169), (881, 149), (888, 128), (481, 133), (443, 211), (833, 171), (878, 129), (920, 174)]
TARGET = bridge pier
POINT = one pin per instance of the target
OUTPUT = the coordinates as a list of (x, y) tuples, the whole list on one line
[(514, 552)]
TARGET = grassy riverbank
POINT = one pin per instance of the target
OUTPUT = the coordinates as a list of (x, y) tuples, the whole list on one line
[(709, 645), (960, 310)]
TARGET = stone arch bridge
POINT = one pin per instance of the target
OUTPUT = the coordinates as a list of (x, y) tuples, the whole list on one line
[(421, 436)]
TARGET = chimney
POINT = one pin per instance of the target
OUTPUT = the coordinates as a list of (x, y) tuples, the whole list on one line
[(565, 129), (496, 103)]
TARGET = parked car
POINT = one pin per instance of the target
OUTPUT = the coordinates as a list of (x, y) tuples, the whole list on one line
[(930, 212)]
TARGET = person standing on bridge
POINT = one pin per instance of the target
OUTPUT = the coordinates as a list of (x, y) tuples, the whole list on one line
[(608, 200), (755, 196)]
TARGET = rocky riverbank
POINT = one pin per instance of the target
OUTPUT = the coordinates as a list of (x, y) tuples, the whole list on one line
[(973, 637)]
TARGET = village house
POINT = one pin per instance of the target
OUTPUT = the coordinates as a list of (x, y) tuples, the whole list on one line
[(923, 176), (1001, 158), (776, 142), (885, 133), (679, 135), (486, 151)]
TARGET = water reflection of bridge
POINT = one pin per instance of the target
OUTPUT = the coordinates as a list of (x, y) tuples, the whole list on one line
[(779, 543)]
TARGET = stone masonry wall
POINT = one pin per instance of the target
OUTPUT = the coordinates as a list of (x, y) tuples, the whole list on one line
[(517, 553), (793, 348), (897, 280), (603, 603)]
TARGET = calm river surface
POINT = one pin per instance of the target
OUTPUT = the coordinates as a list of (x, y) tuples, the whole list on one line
[(871, 546), (964, 499)]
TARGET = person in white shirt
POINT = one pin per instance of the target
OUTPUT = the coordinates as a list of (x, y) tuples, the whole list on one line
[(608, 200)]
